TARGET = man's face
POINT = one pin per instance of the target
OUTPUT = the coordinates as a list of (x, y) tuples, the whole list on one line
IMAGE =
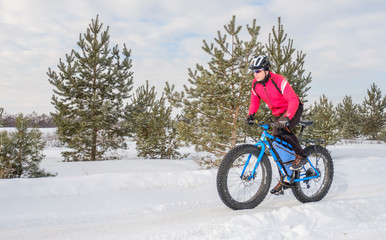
[(259, 75)]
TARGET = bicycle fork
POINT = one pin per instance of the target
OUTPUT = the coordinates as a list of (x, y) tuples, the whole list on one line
[(257, 161)]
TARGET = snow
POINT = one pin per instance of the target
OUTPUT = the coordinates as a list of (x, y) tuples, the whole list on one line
[(137, 198)]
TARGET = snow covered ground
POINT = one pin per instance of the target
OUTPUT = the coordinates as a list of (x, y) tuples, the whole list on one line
[(174, 199)]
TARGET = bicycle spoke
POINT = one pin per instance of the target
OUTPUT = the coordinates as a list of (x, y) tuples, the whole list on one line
[(313, 186), (243, 188)]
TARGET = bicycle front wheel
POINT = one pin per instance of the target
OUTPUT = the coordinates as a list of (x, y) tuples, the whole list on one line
[(315, 189), (240, 184)]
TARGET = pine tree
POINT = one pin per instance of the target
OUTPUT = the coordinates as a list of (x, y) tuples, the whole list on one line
[(284, 63), (29, 146), (382, 135), (217, 101), (21, 151), (373, 112), (155, 131), (348, 118), (281, 52), (89, 97), (325, 121), (6, 156)]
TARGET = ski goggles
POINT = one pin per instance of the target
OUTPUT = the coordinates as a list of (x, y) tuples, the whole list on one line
[(257, 71)]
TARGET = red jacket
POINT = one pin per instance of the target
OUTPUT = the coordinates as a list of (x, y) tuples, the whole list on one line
[(280, 102)]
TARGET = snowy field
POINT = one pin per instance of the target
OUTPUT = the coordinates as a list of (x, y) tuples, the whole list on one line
[(174, 199)]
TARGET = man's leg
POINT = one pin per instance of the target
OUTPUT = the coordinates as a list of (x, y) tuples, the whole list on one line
[(287, 135)]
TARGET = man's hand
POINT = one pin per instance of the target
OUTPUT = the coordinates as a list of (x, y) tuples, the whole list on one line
[(283, 122), (249, 119)]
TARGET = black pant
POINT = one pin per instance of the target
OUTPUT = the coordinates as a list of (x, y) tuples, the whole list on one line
[(287, 135)]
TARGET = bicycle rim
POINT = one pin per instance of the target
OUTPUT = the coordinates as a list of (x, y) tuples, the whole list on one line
[(244, 182), (312, 187)]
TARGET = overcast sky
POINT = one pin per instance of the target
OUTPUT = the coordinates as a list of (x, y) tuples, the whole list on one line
[(345, 41)]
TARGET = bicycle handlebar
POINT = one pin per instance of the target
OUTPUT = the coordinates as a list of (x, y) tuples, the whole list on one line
[(256, 122), (260, 123)]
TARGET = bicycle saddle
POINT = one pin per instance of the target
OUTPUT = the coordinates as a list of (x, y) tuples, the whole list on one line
[(306, 123)]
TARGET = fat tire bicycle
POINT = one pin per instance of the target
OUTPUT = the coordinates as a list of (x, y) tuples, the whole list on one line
[(245, 173)]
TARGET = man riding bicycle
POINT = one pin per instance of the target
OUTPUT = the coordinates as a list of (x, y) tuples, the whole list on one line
[(284, 103)]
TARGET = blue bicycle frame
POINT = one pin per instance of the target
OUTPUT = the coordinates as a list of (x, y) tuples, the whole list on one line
[(266, 142)]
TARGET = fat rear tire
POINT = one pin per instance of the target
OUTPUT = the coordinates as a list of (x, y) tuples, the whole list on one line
[(315, 189)]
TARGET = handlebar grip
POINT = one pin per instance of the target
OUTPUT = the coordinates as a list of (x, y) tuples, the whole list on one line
[(251, 122)]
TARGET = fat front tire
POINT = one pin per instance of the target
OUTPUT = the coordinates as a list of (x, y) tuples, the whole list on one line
[(238, 186), (315, 189)]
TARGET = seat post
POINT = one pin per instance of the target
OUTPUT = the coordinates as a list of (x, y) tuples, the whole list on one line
[(301, 133), (304, 124)]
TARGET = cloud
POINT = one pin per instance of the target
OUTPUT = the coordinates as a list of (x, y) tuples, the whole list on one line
[(339, 37), (344, 43)]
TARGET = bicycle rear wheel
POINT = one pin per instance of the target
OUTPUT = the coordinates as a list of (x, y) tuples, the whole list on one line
[(238, 185), (315, 189)]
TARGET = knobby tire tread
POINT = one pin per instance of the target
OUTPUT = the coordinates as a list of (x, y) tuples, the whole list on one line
[(223, 171), (298, 192)]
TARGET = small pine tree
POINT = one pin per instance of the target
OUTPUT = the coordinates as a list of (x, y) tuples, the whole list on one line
[(89, 97), (21, 151), (150, 120), (382, 135), (5, 150), (6, 156), (372, 112), (325, 121), (348, 118), (28, 145)]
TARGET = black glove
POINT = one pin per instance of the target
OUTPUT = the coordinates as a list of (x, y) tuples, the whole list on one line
[(249, 119), (283, 122)]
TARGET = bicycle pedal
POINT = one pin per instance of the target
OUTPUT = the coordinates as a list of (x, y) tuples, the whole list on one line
[(287, 180), (278, 193)]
